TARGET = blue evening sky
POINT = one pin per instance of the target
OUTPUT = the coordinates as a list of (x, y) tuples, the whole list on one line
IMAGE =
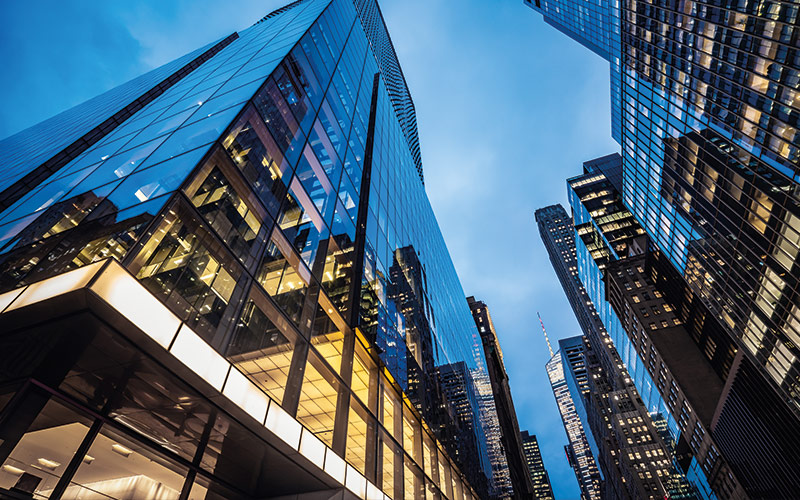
[(507, 108)]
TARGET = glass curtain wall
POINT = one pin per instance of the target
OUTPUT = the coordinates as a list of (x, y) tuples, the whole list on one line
[(264, 198)]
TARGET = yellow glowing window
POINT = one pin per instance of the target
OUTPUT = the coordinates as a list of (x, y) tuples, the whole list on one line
[(388, 466), (411, 435), (364, 376), (317, 406), (357, 436), (389, 410)]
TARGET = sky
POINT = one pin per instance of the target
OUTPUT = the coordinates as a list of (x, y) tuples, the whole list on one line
[(507, 109)]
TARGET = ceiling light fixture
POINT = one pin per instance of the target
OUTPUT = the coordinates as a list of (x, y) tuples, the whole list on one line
[(125, 452), (48, 464), (13, 470)]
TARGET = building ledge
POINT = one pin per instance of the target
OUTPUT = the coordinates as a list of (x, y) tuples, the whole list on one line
[(112, 299)]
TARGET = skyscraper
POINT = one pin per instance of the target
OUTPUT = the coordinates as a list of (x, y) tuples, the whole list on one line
[(533, 459), (224, 279), (608, 403), (703, 106), (582, 462), (670, 341), (506, 456)]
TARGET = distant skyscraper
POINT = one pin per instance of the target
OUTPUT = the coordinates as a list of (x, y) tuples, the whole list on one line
[(506, 452), (538, 474), (584, 463), (224, 279), (703, 105)]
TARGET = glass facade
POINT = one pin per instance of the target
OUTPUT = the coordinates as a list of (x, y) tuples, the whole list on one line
[(271, 198), (31, 148), (609, 404), (704, 108), (605, 233)]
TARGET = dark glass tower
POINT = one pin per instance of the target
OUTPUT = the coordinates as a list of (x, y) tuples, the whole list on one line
[(506, 454), (669, 342), (703, 98), (606, 398), (224, 279), (538, 474)]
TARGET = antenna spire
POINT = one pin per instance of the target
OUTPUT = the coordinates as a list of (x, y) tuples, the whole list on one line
[(549, 347)]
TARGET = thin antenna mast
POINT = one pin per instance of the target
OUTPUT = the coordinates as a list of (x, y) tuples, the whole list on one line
[(545, 335)]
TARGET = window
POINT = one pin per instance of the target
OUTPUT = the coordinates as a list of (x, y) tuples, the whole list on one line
[(283, 277), (391, 411), (359, 425), (221, 204), (411, 435), (262, 345), (255, 153), (41, 456), (327, 336), (364, 382), (391, 468), (318, 396), (186, 267), (117, 467)]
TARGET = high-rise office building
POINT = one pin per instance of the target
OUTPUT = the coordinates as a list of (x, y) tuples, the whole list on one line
[(606, 399), (224, 279), (607, 232), (629, 442), (703, 106), (583, 462), (557, 235), (507, 458), (669, 341), (533, 461)]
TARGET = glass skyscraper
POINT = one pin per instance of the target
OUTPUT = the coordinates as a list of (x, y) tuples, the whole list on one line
[(703, 100), (607, 233), (669, 343), (224, 279), (624, 438)]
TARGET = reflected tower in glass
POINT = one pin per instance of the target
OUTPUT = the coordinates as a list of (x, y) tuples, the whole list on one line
[(505, 448), (224, 279)]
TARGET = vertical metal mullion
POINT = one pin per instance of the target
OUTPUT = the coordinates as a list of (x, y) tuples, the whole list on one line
[(363, 209), (198, 455), (75, 462)]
